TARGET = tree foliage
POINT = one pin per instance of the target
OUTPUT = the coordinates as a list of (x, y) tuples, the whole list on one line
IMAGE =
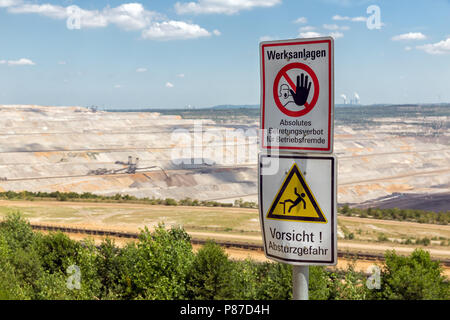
[(161, 264), (416, 277), (209, 274)]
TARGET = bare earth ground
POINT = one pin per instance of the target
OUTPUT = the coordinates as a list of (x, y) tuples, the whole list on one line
[(394, 156), (433, 202)]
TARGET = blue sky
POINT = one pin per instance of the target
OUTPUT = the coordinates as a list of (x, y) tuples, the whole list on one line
[(171, 54)]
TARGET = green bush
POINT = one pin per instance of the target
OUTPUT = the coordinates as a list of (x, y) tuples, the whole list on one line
[(57, 251), (209, 273), (349, 236), (11, 286), (350, 286), (319, 283), (110, 269), (424, 241), (382, 237), (162, 265), (171, 202), (415, 277), (18, 232), (345, 209), (163, 259), (407, 241), (243, 281), (275, 281), (186, 202)]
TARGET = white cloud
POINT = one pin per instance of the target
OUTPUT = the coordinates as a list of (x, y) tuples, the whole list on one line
[(335, 27), (313, 34), (359, 19), (340, 18), (174, 30), (118, 86), (128, 16), (409, 36), (180, 75), (301, 20), (9, 3), (48, 10), (307, 28), (141, 70), (309, 34), (441, 47), (169, 85), (222, 6), (331, 26), (216, 32), (336, 34), (62, 62), (266, 38), (408, 48), (345, 18), (20, 62)]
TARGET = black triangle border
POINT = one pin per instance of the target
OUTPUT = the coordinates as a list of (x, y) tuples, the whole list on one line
[(319, 212)]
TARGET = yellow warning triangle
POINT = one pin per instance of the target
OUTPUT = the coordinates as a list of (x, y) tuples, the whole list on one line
[(295, 201)]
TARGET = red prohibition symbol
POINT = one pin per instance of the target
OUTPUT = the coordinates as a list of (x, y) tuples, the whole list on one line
[(308, 106)]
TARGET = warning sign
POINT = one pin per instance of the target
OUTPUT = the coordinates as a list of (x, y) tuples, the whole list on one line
[(297, 94), (287, 93), (295, 201)]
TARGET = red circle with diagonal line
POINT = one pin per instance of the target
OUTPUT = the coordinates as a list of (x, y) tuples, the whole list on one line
[(283, 74)]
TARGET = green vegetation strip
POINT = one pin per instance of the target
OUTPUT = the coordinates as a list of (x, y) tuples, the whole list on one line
[(162, 265), (412, 215), (118, 198)]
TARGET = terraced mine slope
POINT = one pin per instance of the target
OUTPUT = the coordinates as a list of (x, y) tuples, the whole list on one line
[(147, 154)]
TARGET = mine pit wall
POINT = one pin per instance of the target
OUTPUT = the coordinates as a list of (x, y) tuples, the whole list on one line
[(55, 148)]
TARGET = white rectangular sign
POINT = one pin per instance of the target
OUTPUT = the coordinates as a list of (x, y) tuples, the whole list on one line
[(297, 94), (297, 203)]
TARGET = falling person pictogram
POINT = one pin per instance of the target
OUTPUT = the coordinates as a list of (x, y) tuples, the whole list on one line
[(295, 202)]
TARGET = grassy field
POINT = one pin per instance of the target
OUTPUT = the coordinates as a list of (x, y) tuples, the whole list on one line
[(374, 230), (135, 216), (220, 223)]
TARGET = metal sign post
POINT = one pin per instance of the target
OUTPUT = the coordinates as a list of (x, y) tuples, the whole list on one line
[(297, 174), (300, 282), (300, 278)]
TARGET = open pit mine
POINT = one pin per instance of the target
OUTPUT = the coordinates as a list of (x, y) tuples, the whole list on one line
[(147, 154)]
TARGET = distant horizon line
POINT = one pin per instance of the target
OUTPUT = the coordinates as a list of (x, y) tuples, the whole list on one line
[(222, 106), (255, 106)]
